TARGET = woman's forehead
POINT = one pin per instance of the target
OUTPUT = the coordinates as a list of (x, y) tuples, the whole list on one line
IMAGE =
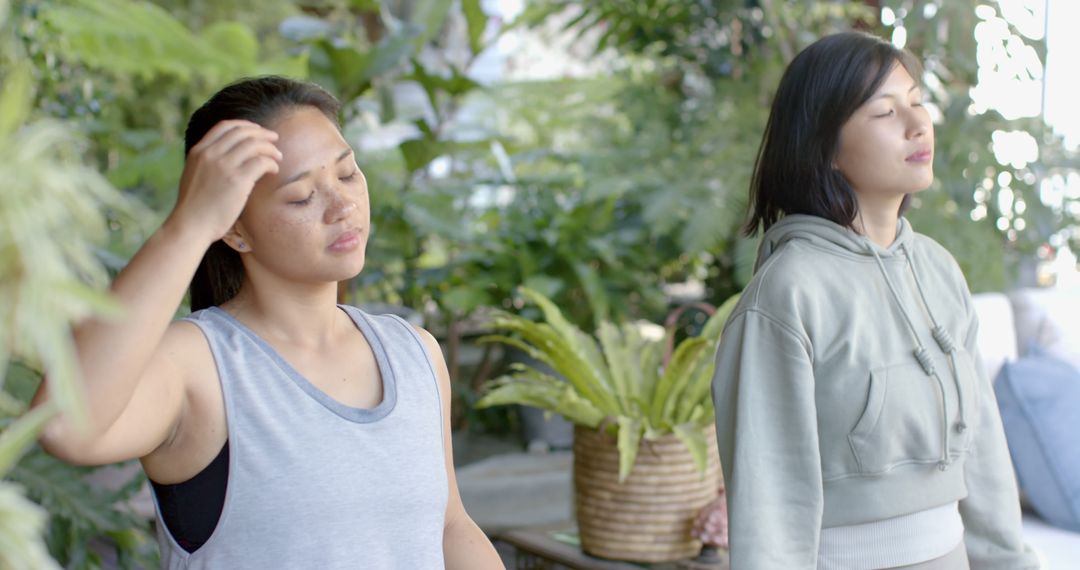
[(307, 138)]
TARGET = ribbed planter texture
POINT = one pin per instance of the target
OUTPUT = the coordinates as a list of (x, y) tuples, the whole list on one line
[(646, 518)]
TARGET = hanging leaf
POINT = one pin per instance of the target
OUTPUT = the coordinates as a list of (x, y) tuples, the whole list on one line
[(392, 51), (15, 98), (19, 436), (346, 66), (476, 20), (419, 153), (429, 16)]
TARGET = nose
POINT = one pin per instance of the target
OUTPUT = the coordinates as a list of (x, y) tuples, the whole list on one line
[(340, 206), (918, 123)]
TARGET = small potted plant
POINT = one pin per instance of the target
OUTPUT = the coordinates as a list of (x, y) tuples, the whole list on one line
[(645, 458)]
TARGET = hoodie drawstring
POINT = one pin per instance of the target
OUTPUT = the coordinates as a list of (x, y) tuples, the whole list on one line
[(923, 355), (943, 339)]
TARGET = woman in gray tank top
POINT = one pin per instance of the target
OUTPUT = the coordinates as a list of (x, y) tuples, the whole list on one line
[(324, 428)]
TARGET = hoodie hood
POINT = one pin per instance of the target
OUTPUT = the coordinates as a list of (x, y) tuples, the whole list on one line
[(830, 235)]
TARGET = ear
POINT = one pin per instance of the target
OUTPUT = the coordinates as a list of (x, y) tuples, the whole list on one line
[(236, 238)]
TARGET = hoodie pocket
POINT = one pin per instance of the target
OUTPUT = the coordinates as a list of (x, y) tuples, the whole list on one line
[(901, 421)]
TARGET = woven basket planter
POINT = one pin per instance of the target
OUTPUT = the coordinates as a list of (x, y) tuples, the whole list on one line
[(646, 518)]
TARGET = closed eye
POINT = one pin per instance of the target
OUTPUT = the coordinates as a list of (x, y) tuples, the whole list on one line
[(890, 113), (303, 202), (350, 177)]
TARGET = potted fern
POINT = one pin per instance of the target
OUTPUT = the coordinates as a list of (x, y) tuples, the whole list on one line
[(644, 443)]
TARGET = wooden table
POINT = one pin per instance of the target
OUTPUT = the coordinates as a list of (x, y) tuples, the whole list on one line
[(556, 548)]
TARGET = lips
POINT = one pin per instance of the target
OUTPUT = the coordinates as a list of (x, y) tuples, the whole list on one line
[(347, 241), (920, 156)]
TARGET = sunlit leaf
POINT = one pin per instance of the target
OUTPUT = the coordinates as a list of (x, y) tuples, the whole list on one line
[(17, 437), (628, 441), (476, 20), (692, 436), (15, 98)]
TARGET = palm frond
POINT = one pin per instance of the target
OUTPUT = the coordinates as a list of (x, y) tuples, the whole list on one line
[(628, 442), (531, 387), (675, 377), (583, 345), (698, 390), (694, 440), (614, 376), (618, 364), (563, 353)]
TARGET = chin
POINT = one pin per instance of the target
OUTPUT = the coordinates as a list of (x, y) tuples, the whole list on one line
[(923, 183), (353, 267), (342, 270)]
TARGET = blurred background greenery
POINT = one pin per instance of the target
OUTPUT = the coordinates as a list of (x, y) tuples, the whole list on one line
[(596, 151)]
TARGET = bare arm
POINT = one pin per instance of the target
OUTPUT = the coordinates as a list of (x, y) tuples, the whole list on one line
[(132, 369), (464, 545)]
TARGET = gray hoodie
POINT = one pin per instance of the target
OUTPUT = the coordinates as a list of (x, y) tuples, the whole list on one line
[(847, 391)]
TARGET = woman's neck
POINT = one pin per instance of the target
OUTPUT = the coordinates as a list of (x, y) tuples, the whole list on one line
[(877, 220), (302, 316)]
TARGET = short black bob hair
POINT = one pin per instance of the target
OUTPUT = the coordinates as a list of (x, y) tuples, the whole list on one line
[(820, 90)]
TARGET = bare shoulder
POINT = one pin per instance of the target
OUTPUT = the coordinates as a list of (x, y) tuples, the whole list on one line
[(432, 345), (435, 354), (185, 347), (185, 358), (427, 337)]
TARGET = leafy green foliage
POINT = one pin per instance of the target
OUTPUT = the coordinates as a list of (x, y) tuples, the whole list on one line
[(81, 513), (613, 379), (592, 254), (49, 283), (128, 73), (21, 525), (51, 221), (140, 39)]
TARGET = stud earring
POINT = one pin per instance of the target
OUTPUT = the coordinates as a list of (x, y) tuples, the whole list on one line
[(241, 245)]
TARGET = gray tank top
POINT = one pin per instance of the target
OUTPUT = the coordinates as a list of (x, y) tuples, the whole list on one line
[(317, 484)]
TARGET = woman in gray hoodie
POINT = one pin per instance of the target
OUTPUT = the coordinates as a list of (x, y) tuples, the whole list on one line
[(856, 429)]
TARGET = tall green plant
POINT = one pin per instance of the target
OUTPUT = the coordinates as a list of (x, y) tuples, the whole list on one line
[(616, 379), (51, 222)]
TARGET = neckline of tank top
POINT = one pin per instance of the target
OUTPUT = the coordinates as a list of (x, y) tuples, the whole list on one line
[(350, 413)]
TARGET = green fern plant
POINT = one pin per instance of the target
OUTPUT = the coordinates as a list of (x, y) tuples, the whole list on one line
[(51, 217), (79, 514), (616, 379)]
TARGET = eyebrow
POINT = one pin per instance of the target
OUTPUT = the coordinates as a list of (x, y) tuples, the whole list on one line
[(301, 175)]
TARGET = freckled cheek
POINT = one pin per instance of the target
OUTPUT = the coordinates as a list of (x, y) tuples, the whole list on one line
[(291, 227)]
